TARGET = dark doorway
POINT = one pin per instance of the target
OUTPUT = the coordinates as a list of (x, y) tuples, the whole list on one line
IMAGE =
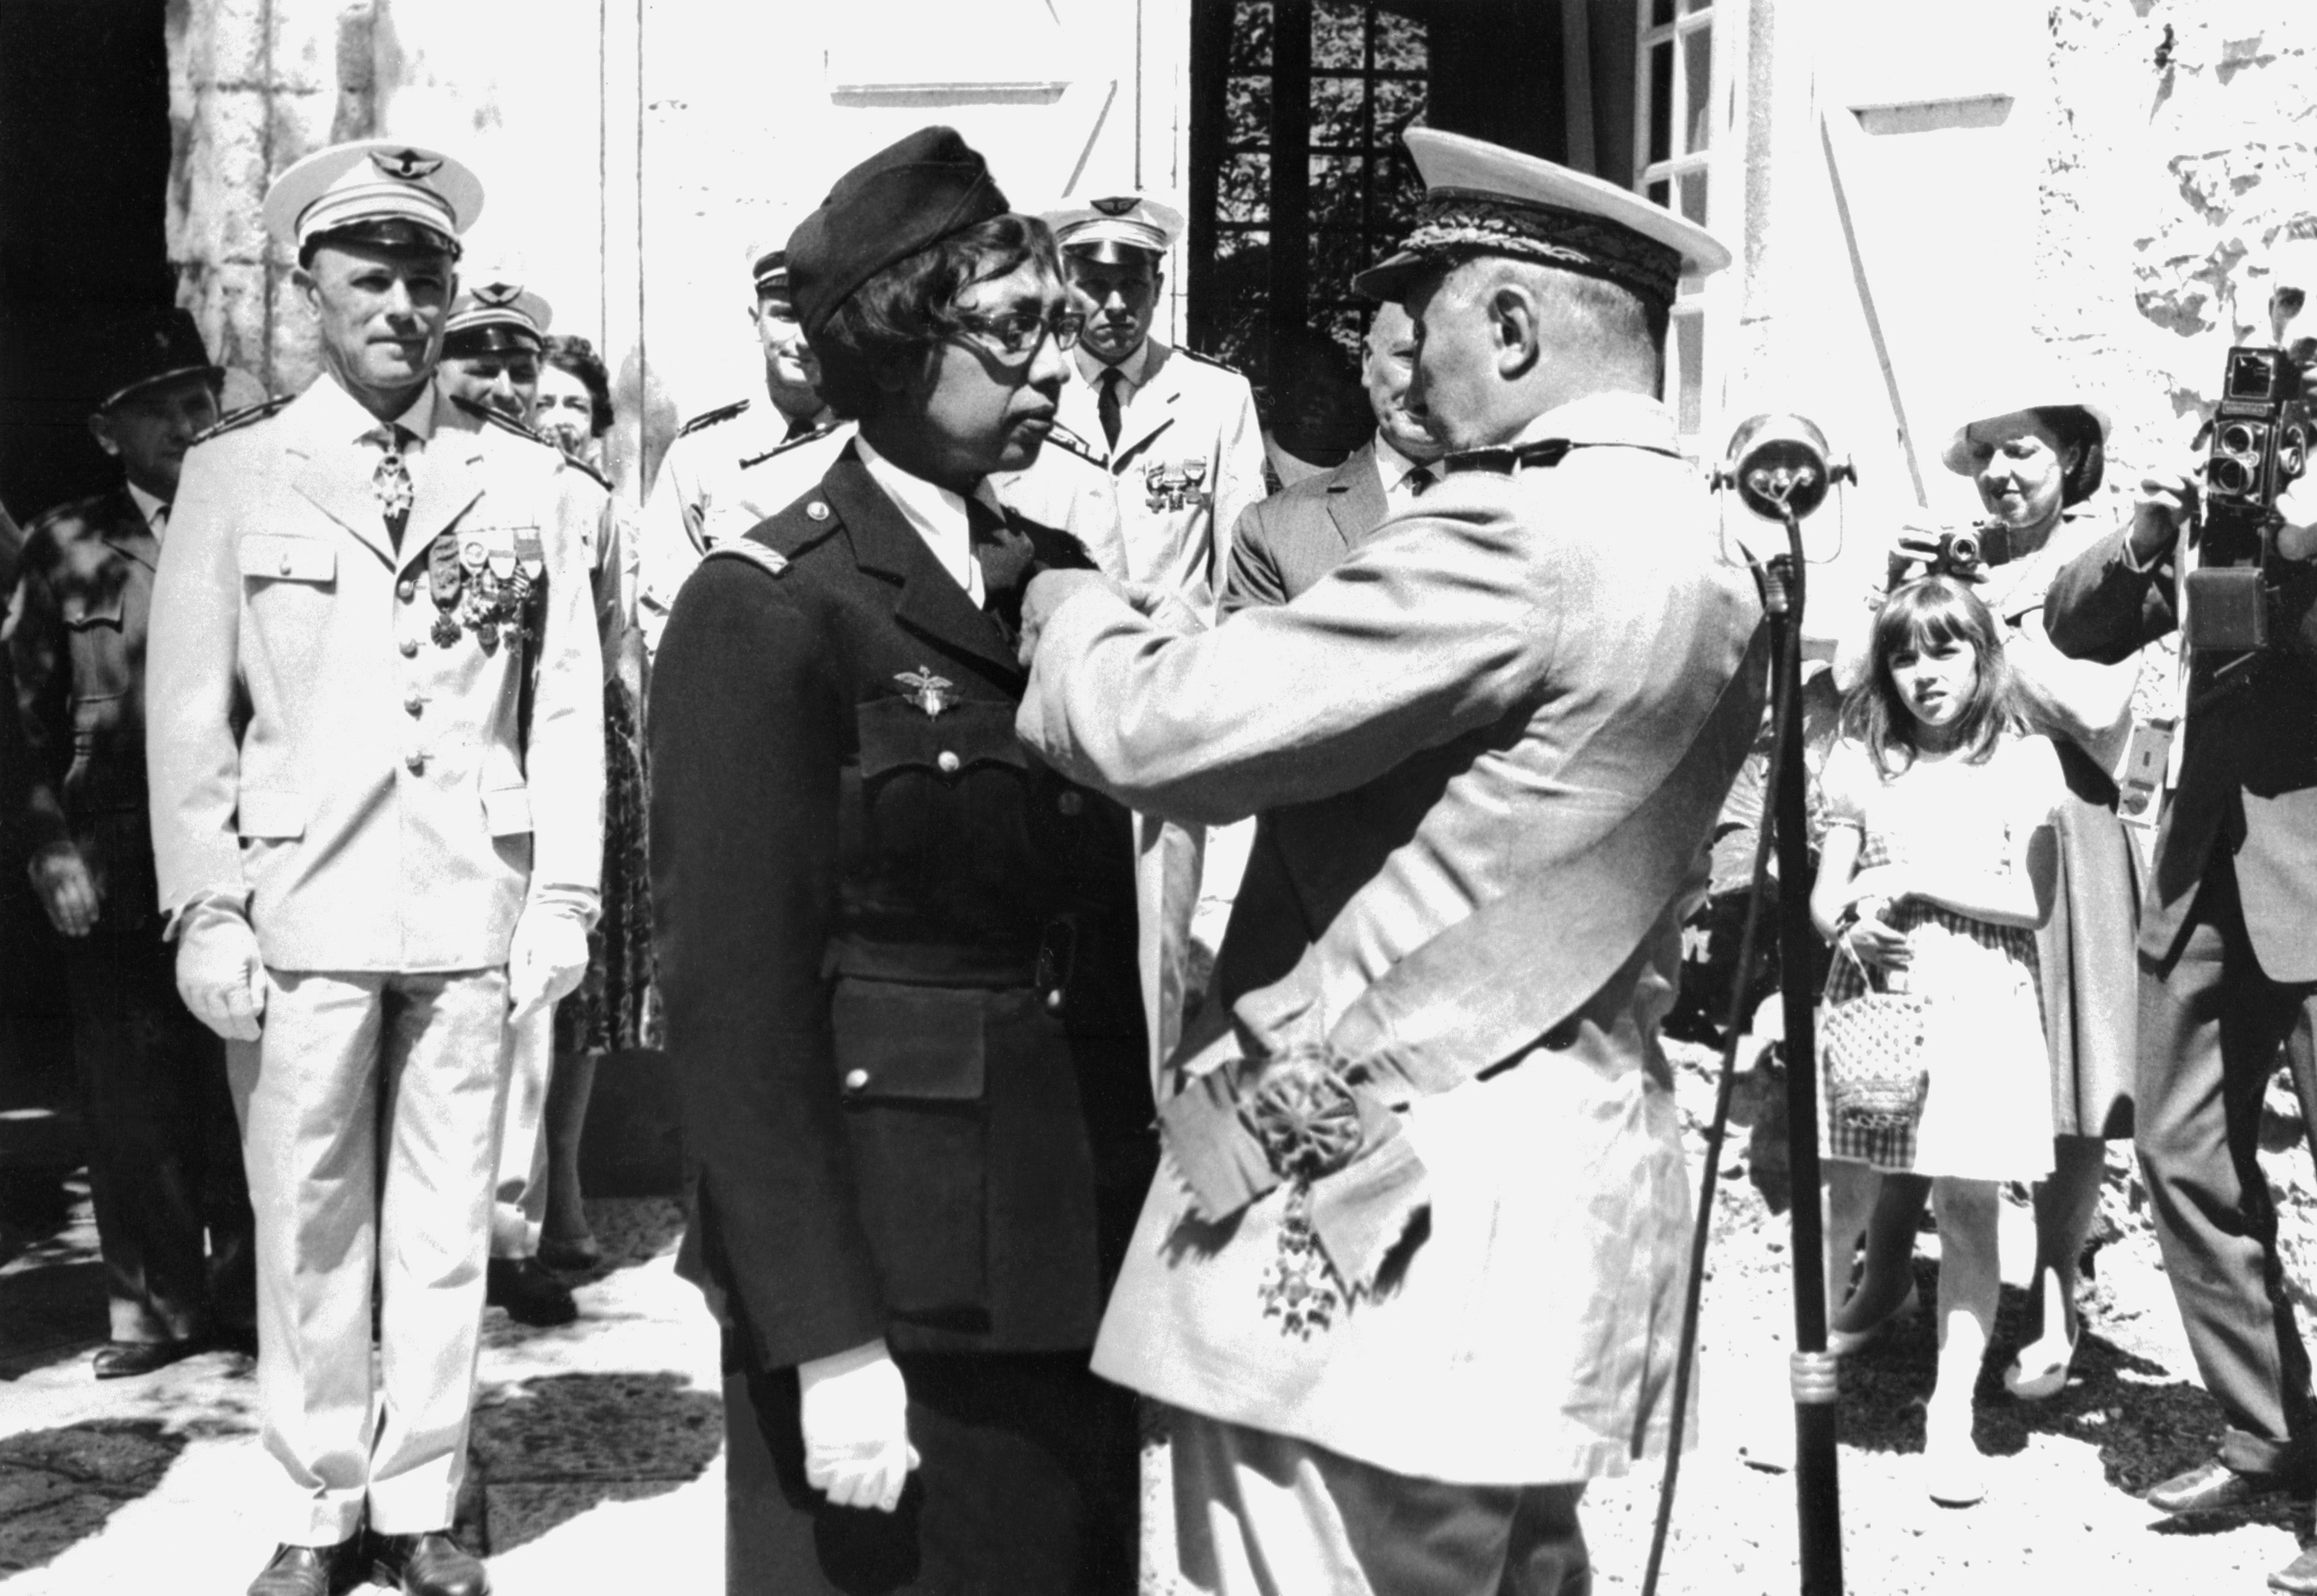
[(83, 193)]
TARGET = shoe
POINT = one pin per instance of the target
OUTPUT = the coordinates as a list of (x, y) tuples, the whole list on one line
[(429, 1564), (2047, 1380), (529, 1295), (570, 1257), (2298, 1576), (119, 1359), (2215, 1488), (307, 1571), (1954, 1476), (1844, 1344)]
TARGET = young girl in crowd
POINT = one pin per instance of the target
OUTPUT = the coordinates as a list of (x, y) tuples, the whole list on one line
[(1937, 867)]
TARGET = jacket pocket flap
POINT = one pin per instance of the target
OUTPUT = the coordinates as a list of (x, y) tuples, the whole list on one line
[(277, 816), (896, 733), (922, 1043), (508, 811), (271, 555)]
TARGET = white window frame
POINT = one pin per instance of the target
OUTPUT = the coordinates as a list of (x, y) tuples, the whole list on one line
[(1709, 304)]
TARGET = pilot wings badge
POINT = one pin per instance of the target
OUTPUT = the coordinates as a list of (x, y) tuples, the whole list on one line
[(928, 692)]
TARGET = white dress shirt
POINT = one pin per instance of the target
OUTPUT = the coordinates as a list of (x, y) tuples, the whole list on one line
[(154, 508), (1395, 469), (937, 514)]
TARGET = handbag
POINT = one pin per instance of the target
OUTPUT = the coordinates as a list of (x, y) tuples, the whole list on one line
[(1876, 1079)]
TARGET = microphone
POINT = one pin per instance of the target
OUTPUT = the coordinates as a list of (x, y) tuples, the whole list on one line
[(1781, 467)]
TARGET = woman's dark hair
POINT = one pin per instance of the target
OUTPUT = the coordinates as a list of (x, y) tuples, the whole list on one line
[(1932, 610), (906, 308), (571, 352), (2079, 434)]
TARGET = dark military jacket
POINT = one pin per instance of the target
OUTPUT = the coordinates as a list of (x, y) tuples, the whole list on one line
[(77, 648), (898, 953)]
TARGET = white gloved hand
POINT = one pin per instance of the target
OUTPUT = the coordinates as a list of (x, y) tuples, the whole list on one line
[(853, 1409), (220, 973), (546, 959)]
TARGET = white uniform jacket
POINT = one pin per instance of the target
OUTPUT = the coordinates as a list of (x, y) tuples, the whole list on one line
[(317, 753), (1480, 688)]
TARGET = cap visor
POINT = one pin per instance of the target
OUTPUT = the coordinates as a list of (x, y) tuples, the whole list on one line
[(1389, 279)]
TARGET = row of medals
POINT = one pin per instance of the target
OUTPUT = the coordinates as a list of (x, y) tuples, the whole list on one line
[(485, 590)]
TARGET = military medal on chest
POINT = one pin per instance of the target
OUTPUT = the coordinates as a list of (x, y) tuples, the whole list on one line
[(1175, 484), (487, 580), (927, 691)]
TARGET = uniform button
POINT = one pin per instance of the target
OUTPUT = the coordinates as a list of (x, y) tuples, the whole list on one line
[(410, 646), (287, 565), (817, 511), (947, 761), (1054, 1000), (415, 762), (406, 590), (415, 703), (1069, 803), (856, 1079)]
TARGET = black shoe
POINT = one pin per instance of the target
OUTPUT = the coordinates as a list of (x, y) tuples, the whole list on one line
[(119, 1359), (429, 1564), (2215, 1488), (2298, 1576), (307, 1571), (529, 1295)]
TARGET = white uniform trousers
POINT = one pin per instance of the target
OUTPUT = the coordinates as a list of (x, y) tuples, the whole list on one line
[(369, 1112), (519, 1206)]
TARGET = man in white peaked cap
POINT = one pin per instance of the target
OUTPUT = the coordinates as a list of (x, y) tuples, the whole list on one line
[(1414, 1274), (491, 344), (375, 735)]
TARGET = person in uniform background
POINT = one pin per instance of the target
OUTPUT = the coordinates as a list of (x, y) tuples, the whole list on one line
[(1286, 542), (491, 344), (376, 746), (898, 955), (1412, 1275), (173, 1218), (731, 468)]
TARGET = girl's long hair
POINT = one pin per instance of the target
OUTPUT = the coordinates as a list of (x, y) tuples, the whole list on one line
[(1931, 610)]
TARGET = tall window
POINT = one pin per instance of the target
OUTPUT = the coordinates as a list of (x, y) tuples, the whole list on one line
[(1677, 92)]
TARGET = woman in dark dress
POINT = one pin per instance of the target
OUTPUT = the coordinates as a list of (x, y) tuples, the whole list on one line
[(897, 956)]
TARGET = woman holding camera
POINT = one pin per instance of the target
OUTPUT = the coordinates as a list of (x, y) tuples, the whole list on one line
[(2036, 464)]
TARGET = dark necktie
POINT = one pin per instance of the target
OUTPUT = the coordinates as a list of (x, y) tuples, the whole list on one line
[(1418, 480), (1005, 556), (391, 481), (1106, 404)]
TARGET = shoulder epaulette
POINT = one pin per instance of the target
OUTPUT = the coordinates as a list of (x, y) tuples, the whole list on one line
[(1075, 445), (1545, 453), (749, 550), (587, 470), (243, 416), (785, 444), (1208, 360), (505, 423), (708, 418)]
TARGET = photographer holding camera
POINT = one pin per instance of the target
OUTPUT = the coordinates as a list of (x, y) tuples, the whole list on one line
[(2227, 968)]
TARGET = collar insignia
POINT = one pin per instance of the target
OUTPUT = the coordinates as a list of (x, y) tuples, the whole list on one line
[(928, 692), (406, 165), (1116, 204)]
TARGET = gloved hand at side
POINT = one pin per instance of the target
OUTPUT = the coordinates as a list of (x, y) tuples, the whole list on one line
[(220, 973), (546, 959), (853, 1409)]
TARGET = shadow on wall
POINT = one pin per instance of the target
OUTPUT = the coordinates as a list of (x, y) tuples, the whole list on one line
[(59, 1486), (540, 1445)]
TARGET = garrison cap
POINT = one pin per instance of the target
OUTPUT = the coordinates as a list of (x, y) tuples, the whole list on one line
[(148, 347), (382, 189), (1484, 199), (496, 316), (907, 196), (1099, 229)]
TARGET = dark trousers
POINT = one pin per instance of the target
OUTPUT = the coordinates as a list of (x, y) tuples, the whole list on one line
[(2211, 1028), (173, 1218), (1026, 1486)]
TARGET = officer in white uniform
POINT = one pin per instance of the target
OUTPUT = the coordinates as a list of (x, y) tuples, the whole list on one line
[(731, 468), (491, 345), (375, 739)]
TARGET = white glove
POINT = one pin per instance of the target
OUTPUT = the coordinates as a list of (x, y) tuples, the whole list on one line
[(220, 973), (546, 958), (853, 1409)]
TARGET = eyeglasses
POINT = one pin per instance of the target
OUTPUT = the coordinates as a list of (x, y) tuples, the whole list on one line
[(1015, 335)]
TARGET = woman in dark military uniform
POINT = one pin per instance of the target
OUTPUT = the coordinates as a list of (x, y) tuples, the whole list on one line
[(898, 955)]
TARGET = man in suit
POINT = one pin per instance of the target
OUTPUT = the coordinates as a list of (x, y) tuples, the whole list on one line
[(1419, 1246), (165, 1167), (1286, 542), (731, 466), (2228, 966), (897, 954), (376, 740)]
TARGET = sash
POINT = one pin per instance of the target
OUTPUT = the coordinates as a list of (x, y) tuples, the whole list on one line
[(1481, 992)]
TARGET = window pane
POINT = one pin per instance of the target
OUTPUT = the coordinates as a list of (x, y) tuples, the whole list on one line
[(1241, 241), (1689, 362), (1250, 48), (1244, 194), (1337, 35), (1662, 100), (1661, 192), (1398, 102), (1661, 12), (1399, 191), (1692, 197), (1336, 190), (1338, 113), (1347, 324), (1246, 111), (1337, 257), (1697, 67), (1399, 43)]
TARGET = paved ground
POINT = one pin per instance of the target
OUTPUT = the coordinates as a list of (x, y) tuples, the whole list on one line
[(602, 1443)]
